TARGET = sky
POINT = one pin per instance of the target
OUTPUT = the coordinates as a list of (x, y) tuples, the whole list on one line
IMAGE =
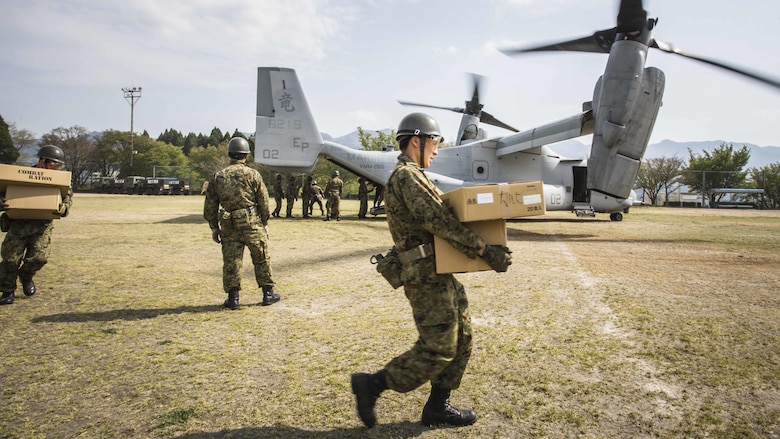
[(63, 63)]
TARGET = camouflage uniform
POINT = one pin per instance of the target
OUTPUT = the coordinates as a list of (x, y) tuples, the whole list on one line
[(379, 195), (439, 305), (316, 197), (243, 197), (363, 197), (333, 191), (292, 195), (278, 195), (26, 248), (306, 197)]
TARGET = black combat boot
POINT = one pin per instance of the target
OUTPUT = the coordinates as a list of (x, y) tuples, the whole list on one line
[(269, 296), (367, 388), (438, 411), (7, 299), (232, 300), (28, 287)]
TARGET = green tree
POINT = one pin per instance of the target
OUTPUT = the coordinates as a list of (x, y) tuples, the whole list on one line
[(191, 141), (216, 137), (378, 142), (206, 160), (78, 147), (768, 179), (659, 173), (153, 153), (172, 136), (23, 140), (8, 153), (108, 154), (722, 168)]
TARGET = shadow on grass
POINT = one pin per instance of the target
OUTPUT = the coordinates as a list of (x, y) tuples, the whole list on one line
[(123, 314), (397, 430), (185, 219)]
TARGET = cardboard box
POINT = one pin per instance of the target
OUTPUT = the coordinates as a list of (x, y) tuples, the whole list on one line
[(28, 176), (33, 202), (450, 260), (494, 201)]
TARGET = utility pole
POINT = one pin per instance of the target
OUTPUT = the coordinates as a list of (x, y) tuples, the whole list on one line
[(132, 94)]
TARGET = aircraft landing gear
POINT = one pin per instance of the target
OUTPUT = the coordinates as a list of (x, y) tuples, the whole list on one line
[(616, 216)]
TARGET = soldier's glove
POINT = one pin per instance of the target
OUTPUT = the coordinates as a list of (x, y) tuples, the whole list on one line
[(499, 257), (63, 212), (215, 235)]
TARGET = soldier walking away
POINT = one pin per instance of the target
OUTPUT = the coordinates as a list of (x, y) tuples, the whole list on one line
[(306, 197), (236, 209), (292, 195), (316, 197), (278, 195), (333, 192), (363, 197), (415, 212), (27, 243)]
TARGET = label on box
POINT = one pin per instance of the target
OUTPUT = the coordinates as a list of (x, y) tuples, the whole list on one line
[(532, 199), (485, 198)]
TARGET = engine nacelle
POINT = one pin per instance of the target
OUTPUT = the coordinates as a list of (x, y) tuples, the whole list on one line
[(622, 131)]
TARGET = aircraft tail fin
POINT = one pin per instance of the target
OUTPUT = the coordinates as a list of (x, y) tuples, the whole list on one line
[(286, 138)]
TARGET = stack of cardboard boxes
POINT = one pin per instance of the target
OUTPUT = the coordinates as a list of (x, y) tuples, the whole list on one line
[(484, 209), (33, 193)]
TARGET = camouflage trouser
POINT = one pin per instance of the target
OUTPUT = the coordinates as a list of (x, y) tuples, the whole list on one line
[(233, 244), (305, 204), (363, 205), (278, 208), (315, 200), (25, 250), (290, 203), (333, 206), (444, 342)]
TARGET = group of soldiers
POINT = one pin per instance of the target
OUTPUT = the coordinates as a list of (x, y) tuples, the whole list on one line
[(236, 208), (312, 194)]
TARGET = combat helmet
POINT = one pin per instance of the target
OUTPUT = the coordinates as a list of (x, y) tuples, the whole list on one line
[(416, 124), (53, 153), (238, 146), (335, 173)]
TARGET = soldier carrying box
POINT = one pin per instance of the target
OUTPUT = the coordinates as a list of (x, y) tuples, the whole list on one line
[(27, 242)]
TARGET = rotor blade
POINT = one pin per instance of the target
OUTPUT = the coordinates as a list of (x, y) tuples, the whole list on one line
[(600, 42), (473, 107), (669, 48), (632, 17), (488, 118), (455, 109)]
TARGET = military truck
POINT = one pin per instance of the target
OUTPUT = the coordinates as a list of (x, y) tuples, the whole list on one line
[(133, 185), (179, 187), (153, 186)]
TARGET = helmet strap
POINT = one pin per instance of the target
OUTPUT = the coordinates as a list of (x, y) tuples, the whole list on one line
[(422, 138)]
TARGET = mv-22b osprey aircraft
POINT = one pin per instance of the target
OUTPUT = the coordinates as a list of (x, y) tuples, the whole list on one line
[(621, 116)]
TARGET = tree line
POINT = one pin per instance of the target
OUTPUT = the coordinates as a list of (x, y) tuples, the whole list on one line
[(723, 167), (194, 157)]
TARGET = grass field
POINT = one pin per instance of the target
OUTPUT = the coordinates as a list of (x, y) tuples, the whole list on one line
[(666, 324)]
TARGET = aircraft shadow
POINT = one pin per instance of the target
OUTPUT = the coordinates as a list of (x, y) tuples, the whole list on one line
[(123, 314), (397, 430)]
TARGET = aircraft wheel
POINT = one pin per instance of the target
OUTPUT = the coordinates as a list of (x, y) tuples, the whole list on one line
[(616, 216)]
